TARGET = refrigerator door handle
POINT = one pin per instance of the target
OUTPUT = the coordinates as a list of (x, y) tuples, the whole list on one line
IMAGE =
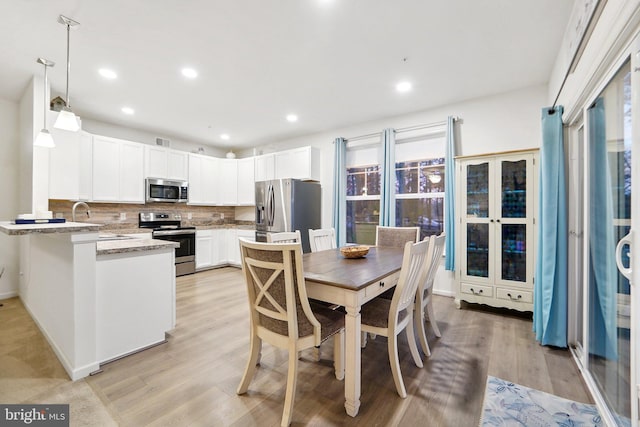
[(271, 201)]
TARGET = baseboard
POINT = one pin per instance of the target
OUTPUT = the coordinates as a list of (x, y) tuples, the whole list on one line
[(449, 294), (7, 295), (75, 373)]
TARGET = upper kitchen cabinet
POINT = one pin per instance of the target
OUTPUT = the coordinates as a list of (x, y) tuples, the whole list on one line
[(203, 185), (246, 181), (117, 170), (300, 163), (70, 165), (265, 167), (227, 182), (161, 162)]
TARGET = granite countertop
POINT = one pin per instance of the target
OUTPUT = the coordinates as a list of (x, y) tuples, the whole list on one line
[(108, 247), (12, 229)]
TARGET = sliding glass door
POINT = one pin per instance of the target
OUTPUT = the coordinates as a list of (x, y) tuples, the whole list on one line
[(608, 304)]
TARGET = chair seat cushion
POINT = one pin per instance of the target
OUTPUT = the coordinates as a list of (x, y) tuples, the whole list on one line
[(376, 313), (331, 321)]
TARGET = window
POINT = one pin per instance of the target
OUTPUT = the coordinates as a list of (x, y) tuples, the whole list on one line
[(419, 187), (363, 192), (420, 182), (420, 195)]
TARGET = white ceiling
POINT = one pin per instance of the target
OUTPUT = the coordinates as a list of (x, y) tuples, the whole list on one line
[(332, 62)]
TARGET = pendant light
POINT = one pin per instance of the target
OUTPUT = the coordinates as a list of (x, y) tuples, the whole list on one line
[(66, 119), (44, 138)]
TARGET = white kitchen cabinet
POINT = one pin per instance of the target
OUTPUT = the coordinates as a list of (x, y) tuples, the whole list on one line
[(496, 229), (204, 250), (203, 184), (234, 244), (220, 252), (117, 170), (212, 247), (265, 167), (162, 162), (68, 161), (227, 182), (299, 163), (246, 182)]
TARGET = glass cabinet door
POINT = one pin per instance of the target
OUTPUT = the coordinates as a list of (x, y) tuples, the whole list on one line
[(477, 234), (477, 185), (514, 207)]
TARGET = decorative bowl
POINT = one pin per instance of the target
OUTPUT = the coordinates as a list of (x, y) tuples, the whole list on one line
[(354, 251)]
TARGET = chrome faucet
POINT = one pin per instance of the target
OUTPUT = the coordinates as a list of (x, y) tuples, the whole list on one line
[(73, 210)]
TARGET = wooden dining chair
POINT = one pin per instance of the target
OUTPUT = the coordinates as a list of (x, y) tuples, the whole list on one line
[(389, 318), (285, 237), (424, 302), (281, 313), (322, 239), (396, 236)]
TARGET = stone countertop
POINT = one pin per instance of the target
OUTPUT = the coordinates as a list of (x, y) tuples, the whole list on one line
[(12, 229), (198, 227), (108, 247)]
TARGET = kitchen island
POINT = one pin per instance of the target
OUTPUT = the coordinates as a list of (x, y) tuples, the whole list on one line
[(80, 290)]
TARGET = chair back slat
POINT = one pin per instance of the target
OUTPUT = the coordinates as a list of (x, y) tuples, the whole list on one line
[(396, 236), (433, 259), (322, 239), (412, 274), (275, 285), (285, 237)]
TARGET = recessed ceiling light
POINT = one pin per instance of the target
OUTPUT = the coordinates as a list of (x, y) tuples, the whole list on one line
[(292, 118), (128, 110), (224, 136), (403, 87), (107, 74), (189, 73)]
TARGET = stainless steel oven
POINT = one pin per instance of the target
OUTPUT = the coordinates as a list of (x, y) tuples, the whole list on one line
[(167, 227)]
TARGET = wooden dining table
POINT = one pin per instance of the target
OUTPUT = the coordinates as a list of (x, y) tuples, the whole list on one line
[(332, 278)]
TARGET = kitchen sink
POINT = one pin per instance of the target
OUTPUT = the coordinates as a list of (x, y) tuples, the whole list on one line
[(107, 237)]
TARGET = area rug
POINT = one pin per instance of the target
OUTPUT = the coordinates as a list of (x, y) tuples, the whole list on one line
[(509, 404)]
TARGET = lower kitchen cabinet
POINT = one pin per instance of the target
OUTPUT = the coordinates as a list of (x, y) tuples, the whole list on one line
[(211, 248), (234, 244), (219, 247)]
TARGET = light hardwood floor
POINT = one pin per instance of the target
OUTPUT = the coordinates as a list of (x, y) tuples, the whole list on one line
[(192, 379)]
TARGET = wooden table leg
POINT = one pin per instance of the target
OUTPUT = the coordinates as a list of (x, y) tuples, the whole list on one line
[(352, 361)]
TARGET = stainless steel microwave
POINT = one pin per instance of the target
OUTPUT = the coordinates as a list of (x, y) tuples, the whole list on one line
[(165, 190)]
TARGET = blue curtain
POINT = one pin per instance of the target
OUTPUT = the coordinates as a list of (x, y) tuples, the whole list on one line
[(340, 191), (449, 197), (550, 290), (388, 184), (603, 273)]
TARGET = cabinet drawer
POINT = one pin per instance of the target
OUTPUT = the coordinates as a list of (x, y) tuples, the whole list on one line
[(382, 286), (477, 290), (514, 295)]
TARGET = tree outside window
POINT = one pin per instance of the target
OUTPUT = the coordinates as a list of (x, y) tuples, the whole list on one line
[(420, 195)]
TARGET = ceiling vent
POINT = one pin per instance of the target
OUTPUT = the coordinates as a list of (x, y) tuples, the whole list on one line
[(163, 142)]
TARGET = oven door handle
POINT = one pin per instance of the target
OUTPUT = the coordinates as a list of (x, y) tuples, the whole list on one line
[(172, 232)]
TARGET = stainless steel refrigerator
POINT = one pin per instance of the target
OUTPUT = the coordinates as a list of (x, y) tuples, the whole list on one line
[(287, 205)]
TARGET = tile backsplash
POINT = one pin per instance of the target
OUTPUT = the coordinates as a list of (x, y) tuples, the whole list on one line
[(120, 216)]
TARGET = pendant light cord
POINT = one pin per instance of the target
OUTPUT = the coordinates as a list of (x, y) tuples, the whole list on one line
[(68, 66), (44, 96)]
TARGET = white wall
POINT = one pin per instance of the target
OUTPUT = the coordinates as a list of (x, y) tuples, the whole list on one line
[(508, 121), (10, 176), (146, 137), (503, 122)]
